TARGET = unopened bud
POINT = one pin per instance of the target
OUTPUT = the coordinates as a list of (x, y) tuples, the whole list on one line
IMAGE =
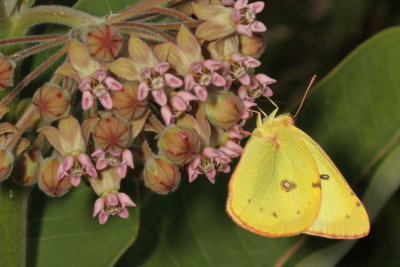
[(179, 144), (6, 72), (126, 103), (104, 43), (253, 46), (111, 133), (48, 181), (6, 164), (51, 102), (161, 175), (223, 109), (27, 169)]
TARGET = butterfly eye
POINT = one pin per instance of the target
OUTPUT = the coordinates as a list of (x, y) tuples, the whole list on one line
[(287, 185)]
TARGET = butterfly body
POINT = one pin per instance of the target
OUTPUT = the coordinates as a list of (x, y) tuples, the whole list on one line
[(285, 184)]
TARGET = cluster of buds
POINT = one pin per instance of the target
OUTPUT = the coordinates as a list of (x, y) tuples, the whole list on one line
[(171, 97)]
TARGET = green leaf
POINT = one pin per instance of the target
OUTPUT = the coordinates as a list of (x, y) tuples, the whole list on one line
[(383, 185), (353, 114), (62, 232), (103, 7)]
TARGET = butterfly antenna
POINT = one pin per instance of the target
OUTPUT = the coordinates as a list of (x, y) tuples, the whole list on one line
[(305, 95)]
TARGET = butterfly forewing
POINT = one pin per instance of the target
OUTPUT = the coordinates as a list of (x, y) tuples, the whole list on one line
[(275, 189)]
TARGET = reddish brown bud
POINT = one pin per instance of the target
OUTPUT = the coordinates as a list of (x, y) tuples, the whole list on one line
[(104, 43), (223, 109), (6, 164), (51, 102), (6, 72), (161, 176), (48, 181), (179, 144), (126, 103), (27, 169), (110, 134), (253, 46)]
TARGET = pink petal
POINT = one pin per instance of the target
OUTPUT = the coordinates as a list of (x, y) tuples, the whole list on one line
[(166, 114), (244, 29), (240, 4), (268, 92), (87, 100), (212, 65), (84, 160), (245, 79), (113, 84), (242, 92), (201, 92), (101, 164), (178, 103), (143, 91), (189, 82), (234, 147), (123, 213), (252, 62), (162, 67), (159, 97), (226, 169), (236, 16), (210, 152), (106, 101), (128, 158), (60, 172), (258, 26), (172, 81), (237, 57), (257, 7), (85, 85), (228, 2), (112, 199), (186, 96), (126, 200), (264, 79), (211, 176), (68, 162), (196, 67), (98, 206), (103, 217), (121, 170), (100, 75), (75, 180), (91, 171), (218, 80), (192, 174), (98, 153)]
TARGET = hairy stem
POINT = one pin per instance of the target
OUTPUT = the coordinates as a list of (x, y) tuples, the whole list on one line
[(138, 8), (29, 39), (13, 210)]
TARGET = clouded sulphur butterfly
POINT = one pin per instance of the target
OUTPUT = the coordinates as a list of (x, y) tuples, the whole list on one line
[(285, 184)]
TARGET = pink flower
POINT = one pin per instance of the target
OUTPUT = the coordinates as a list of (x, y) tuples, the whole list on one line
[(98, 86), (177, 103), (74, 167), (258, 86), (203, 75), (118, 159), (155, 80), (213, 160), (238, 68), (112, 203), (244, 15)]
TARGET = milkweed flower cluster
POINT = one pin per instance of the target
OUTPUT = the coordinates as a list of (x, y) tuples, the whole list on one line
[(135, 95)]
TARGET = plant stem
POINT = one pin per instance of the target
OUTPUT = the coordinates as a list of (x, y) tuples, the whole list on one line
[(30, 17), (13, 210)]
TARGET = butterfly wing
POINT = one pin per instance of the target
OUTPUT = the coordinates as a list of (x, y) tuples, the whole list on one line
[(342, 215), (275, 188)]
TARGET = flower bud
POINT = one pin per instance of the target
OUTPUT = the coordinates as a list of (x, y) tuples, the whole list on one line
[(48, 181), (179, 144), (104, 43), (126, 103), (161, 176), (27, 168), (111, 133), (51, 102), (223, 109), (253, 46), (6, 164), (6, 72)]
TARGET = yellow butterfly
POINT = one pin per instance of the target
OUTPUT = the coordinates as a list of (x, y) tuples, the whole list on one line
[(285, 184)]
